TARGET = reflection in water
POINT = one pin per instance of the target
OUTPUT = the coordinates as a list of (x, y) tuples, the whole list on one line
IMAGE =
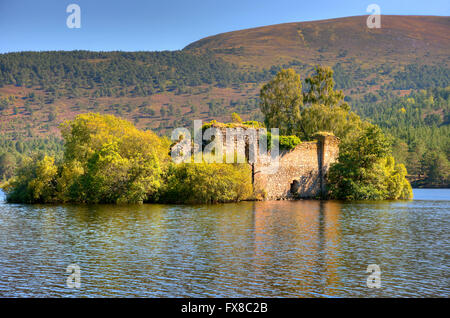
[(250, 249), (301, 238)]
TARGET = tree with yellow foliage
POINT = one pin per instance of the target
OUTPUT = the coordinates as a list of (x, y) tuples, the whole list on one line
[(35, 181), (106, 160), (119, 163)]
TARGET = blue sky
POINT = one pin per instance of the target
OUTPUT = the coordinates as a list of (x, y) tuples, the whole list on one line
[(151, 25)]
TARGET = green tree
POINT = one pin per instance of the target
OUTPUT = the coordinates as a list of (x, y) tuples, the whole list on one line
[(343, 123), (366, 171), (7, 165), (436, 167), (106, 160), (319, 108), (281, 100), (320, 89), (120, 162), (35, 182)]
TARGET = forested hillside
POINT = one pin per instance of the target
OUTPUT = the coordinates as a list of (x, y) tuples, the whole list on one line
[(398, 77)]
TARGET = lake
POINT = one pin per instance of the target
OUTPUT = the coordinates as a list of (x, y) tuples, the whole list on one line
[(250, 249)]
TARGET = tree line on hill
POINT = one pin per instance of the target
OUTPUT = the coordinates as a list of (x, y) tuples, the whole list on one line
[(146, 73), (141, 73), (419, 125)]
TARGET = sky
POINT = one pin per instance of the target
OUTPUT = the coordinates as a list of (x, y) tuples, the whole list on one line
[(156, 25)]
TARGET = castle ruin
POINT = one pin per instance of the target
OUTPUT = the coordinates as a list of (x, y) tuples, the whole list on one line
[(300, 172)]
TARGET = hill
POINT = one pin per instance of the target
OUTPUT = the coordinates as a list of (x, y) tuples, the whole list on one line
[(401, 39)]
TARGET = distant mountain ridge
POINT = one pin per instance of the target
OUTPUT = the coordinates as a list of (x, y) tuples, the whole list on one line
[(407, 38)]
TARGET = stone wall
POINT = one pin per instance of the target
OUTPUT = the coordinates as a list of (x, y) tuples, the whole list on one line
[(301, 172)]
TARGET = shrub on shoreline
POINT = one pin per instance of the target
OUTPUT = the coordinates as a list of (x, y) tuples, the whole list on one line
[(207, 183), (366, 171)]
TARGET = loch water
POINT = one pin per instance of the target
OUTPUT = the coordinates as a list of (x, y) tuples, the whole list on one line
[(249, 249)]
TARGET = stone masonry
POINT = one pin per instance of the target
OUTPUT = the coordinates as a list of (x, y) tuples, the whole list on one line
[(301, 172)]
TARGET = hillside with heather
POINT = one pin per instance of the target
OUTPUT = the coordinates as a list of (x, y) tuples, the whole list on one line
[(397, 77), (400, 40)]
